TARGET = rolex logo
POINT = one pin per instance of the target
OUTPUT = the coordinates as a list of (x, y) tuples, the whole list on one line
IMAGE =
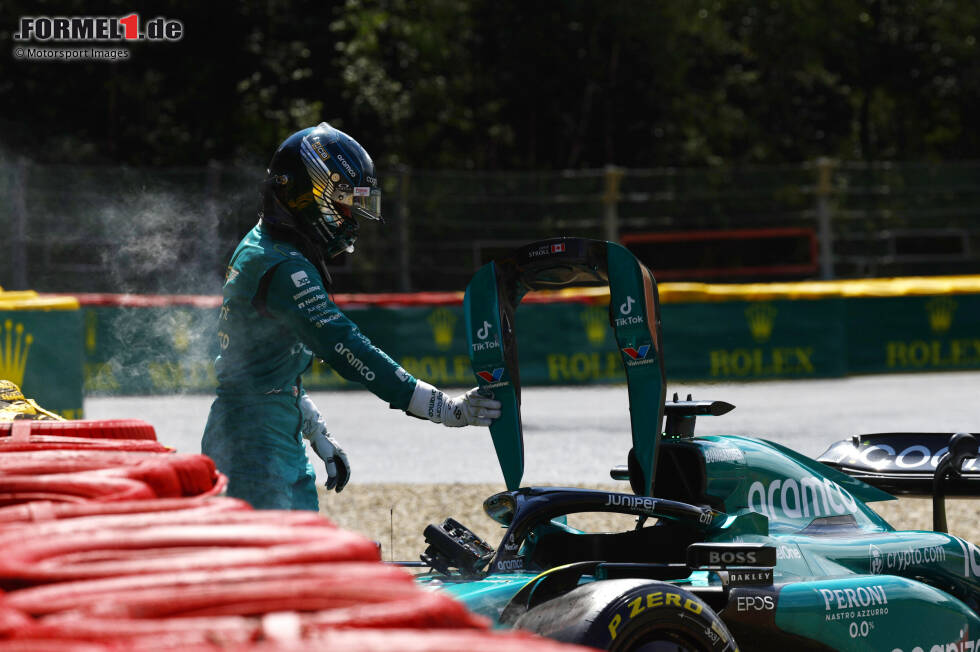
[(14, 347), (940, 311), (182, 331), (91, 330), (596, 321), (443, 323), (760, 317)]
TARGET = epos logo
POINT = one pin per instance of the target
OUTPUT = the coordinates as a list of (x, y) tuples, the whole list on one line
[(491, 377), (638, 353)]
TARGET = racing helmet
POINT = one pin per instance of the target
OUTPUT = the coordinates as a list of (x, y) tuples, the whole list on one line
[(318, 183)]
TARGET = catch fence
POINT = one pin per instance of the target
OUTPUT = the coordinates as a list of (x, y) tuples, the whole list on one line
[(171, 230)]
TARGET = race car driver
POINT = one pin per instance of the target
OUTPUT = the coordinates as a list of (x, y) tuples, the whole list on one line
[(276, 315)]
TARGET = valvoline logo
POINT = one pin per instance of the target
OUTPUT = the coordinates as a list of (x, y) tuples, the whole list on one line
[(638, 353), (491, 377)]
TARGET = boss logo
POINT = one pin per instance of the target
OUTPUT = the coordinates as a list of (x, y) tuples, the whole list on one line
[(734, 557)]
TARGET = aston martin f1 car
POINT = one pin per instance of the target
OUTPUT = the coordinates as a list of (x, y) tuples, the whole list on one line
[(737, 542)]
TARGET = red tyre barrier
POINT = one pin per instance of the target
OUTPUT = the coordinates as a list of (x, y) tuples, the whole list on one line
[(171, 475), (70, 488), (168, 475), (87, 428), (123, 523), (12, 621), (36, 645), (417, 609), (420, 640), (173, 632), (426, 610), (81, 597), (31, 442), (412, 606), (69, 461), (42, 511), (169, 549)]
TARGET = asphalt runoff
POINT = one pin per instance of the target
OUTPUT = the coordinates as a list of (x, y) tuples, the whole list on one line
[(574, 435)]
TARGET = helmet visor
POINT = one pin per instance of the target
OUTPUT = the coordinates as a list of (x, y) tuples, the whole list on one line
[(363, 201)]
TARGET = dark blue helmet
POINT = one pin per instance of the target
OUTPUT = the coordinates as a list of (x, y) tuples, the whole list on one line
[(320, 181)]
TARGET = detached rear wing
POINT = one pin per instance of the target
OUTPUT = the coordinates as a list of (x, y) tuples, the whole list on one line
[(902, 463), (491, 299)]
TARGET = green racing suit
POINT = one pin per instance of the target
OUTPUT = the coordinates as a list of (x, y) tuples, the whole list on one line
[(275, 316)]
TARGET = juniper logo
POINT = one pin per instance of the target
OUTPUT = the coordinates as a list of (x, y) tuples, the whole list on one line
[(940, 311), (443, 323), (760, 317), (596, 321), (15, 344)]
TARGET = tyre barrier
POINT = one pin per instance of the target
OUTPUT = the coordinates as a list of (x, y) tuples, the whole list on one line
[(42, 511), (38, 645), (424, 610), (278, 633), (338, 601), (174, 632), (13, 620), (82, 596), (167, 549), (167, 475), (419, 640), (134, 520), (70, 460), (133, 548), (70, 488), (26, 441), (84, 428)]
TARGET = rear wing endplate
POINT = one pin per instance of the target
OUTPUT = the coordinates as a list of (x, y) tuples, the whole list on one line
[(902, 463)]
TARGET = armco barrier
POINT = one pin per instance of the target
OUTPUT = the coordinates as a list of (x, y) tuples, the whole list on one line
[(153, 345), (41, 349)]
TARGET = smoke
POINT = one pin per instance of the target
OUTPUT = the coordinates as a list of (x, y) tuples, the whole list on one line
[(167, 241)]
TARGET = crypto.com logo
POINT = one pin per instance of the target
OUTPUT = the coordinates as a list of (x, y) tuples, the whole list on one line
[(70, 29)]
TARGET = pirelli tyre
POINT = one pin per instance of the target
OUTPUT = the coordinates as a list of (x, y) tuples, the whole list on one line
[(630, 615)]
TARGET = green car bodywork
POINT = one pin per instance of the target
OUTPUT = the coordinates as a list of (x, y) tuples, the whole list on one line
[(844, 579), (710, 510)]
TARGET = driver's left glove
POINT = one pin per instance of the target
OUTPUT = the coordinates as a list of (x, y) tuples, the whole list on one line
[(469, 409), (314, 429)]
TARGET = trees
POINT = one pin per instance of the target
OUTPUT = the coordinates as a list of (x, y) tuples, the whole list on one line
[(502, 84)]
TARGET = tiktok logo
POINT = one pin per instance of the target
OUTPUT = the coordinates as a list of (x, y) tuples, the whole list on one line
[(484, 332), (627, 306)]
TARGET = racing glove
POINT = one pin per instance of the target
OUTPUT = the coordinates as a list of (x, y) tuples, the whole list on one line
[(314, 429), (469, 409)]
